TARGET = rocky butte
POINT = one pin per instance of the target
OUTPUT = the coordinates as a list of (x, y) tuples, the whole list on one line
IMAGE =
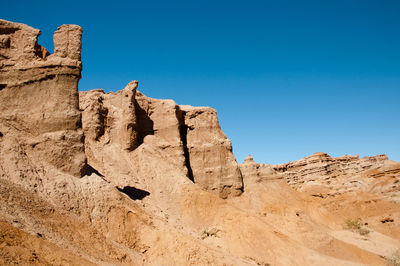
[(123, 179)]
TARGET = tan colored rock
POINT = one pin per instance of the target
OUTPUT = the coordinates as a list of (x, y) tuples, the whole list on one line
[(162, 124), (212, 162), (190, 137), (29, 78), (115, 124), (18, 44), (338, 175), (67, 42), (159, 124), (255, 172), (110, 118)]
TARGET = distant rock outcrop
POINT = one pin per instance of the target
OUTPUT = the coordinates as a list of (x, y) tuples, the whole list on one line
[(257, 172), (334, 176)]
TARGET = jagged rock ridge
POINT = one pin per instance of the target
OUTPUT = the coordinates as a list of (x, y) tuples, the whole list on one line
[(191, 136), (324, 175)]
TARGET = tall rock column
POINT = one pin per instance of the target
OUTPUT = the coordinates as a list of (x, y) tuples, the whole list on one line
[(39, 94)]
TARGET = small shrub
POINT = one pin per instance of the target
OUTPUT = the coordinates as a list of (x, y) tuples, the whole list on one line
[(363, 231), (355, 225), (209, 232)]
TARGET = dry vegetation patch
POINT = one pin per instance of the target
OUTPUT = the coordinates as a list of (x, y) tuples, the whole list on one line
[(356, 225), (205, 232)]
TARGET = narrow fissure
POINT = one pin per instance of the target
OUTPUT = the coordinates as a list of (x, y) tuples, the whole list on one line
[(183, 129), (102, 116), (144, 124)]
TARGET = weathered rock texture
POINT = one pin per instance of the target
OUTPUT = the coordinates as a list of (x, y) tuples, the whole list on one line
[(190, 136), (39, 94), (108, 120), (159, 125), (209, 151), (162, 186), (323, 175), (334, 176), (257, 172)]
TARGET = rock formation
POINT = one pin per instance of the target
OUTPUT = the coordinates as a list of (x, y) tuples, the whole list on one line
[(190, 136), (257, 172), (39, 94), (108, 120), (159, 184), (333, 176), (210, 154)]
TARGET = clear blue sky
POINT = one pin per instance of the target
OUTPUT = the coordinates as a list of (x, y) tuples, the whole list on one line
[(288, 78)]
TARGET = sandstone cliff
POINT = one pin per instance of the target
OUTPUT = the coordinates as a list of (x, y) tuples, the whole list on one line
[(210, 154), (159, 184), (39, 94), (190, 136)]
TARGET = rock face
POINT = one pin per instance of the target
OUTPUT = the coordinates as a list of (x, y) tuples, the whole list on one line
[(159, 125), (190, 136), (324, 176), (39, 94), (108, 120), (338, 175), (210, 152), (257, 172)]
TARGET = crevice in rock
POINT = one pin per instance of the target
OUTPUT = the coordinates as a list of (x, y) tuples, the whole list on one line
[(5, 42), (46, 77), (102, 114), (145, 126), (78, 123), (183, 129), (3, 86), (134, 193), (7, 30)]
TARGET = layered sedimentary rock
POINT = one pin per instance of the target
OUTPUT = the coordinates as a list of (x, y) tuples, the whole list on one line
[(334, 176), (212, 162), (159, 125), (109, 121), (257, 172), (39, 94), (190, 137)]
